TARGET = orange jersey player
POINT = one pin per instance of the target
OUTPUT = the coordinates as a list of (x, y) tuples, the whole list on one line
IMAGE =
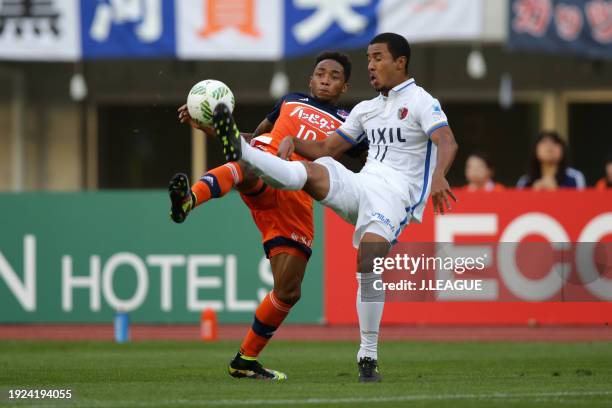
[(284, 218)]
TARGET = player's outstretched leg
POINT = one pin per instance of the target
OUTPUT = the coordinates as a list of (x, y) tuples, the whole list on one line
[(181, 197), (215, 183), (227, 132), (248, 367)]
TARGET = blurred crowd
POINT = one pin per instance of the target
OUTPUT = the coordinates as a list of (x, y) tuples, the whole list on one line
[(548, 169)]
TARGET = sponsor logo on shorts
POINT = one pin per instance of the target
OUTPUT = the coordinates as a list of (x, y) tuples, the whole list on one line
[(384, 220), (301, 239)]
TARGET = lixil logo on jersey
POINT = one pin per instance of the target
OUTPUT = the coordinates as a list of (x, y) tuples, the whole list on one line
[(383, 136)]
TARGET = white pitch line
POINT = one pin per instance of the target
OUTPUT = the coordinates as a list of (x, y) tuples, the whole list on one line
[(320, 401)]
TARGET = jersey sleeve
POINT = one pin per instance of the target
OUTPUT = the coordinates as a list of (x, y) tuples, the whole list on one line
[(431, 115), (352, 130), (272, 116)]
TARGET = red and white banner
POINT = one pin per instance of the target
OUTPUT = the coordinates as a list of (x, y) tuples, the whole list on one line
[(511, 216)]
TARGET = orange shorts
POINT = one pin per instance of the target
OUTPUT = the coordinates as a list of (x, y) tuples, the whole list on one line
[(284, 218)]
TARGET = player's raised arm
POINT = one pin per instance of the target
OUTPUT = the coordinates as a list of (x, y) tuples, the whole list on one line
[(447, 149), (332, 146)]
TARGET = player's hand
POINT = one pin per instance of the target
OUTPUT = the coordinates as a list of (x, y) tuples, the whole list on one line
[(440, 191), (185, 118), (286, 148)]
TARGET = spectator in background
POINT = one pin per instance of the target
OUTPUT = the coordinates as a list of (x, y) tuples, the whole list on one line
[(606, 182), (549, 168), (479, 173)]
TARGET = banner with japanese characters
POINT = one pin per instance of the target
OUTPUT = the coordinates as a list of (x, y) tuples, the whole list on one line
[(127, 28), (562, 26), (39, 30), (229, 29), (52, 30), (314, 25), (433, 20)]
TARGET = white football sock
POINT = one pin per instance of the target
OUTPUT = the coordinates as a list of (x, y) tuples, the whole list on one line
[(370, 305), (276, 172)]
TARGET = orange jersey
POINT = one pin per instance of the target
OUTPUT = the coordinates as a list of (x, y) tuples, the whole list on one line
[(301, 116), (285, 218)]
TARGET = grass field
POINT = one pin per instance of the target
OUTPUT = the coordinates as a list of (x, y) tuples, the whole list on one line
[(175, 374)]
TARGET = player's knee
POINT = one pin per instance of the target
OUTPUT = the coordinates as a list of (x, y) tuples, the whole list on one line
[(365, 265), (367, 255), (289, 295), (317, 182)]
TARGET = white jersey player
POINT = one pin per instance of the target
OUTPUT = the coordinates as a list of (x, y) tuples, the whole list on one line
[(401, 160), (411, 148)]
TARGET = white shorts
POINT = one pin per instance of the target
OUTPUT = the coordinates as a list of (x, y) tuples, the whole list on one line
[(365, 201)]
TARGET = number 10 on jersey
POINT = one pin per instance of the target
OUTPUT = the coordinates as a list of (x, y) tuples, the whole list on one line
[(308, 135)]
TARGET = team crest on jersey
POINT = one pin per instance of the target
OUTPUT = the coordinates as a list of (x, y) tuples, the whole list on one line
[(402, 113)]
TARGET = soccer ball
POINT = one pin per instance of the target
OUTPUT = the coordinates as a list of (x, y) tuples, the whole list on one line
[(203, 98)]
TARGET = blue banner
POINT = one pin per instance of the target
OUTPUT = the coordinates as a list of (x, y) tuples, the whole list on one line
[(311, 26), (562, 26), (120, 29)]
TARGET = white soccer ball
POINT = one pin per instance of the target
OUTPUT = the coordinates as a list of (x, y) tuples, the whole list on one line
[(204, 97)]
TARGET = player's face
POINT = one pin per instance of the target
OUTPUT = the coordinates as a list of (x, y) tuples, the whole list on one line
[(609, 171), (476, 170), (548, 151), (385, 72), (327, 82)]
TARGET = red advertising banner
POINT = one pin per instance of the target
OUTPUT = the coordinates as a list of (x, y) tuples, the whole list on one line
[(498, 219)]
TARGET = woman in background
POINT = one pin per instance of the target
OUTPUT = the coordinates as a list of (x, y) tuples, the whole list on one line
[(549, 166)]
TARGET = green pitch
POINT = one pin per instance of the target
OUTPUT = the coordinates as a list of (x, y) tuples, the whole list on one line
[(178, 374)]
